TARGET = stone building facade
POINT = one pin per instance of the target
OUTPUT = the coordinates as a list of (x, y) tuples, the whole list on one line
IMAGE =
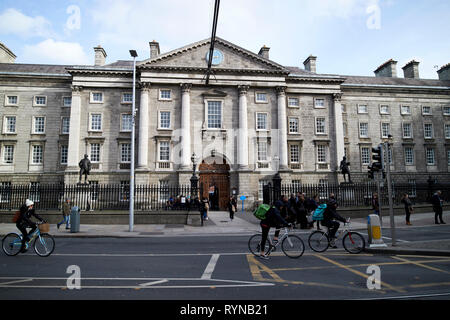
[(254, 118)]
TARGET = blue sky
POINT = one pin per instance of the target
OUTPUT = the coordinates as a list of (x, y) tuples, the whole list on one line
[(349, 37)]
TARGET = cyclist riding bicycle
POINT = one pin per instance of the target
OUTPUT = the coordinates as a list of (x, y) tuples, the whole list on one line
[(24, 222), (329, 220), (273, 220)]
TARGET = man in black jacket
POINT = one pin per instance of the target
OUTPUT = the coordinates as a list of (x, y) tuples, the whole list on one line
[(329, 219), (273, 220), (24, 221), (436, 201)]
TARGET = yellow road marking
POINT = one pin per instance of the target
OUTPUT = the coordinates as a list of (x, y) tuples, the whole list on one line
[(424, 285), (421, 265), (358, 273)]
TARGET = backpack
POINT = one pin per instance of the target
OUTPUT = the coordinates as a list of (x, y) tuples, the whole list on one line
[(261, 211), (318, 213), (16, 216)]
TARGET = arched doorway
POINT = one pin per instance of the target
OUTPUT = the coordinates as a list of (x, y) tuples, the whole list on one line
[(214, 182)]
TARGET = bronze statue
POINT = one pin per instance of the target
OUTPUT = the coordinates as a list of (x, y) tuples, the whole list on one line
[(345, 170), (85, 167)]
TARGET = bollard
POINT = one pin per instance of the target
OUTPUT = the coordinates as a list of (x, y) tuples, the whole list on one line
[(75, 220), (374, 231)]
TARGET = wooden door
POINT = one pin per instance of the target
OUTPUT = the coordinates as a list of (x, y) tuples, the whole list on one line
[(215, 177)]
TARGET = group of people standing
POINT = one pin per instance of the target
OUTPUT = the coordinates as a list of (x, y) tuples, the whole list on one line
[(297, 208)]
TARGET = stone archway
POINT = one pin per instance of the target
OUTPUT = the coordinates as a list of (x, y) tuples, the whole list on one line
[(214, 182)]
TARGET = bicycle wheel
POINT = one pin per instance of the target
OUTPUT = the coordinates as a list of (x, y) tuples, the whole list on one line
[(293, 246), (318, 241), (11, 244), (254, 244), (44, 245), (353, 242)]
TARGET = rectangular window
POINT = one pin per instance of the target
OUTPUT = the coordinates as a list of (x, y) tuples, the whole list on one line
[(64, 154), (261, 121), (320, 126), (384, 109), (319, 103), (447, 130), (385, 130), (8, 154), (96, 122), (12, 100), (321, 153), (37, 154), (365, 156), (293, 125), (426, 110), (294, 153), (214, 114), (262, 151), (362, 108), (126, 122), (127, 98), (261, 97), (67, 101), (65, 125), (96, 97), (125, 152), (40, 101), (39, 125), (428, 131), (95, 152), (405, 110), (165, 94), (164, 120), (363, 130), (10, 124), (407, 130), (164, 151), (446, 111), (293, 102), (430, 156), (409, 156)]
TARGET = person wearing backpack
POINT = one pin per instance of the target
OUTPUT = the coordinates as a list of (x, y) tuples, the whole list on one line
[(273, 219), (24, 221), (329, 220)]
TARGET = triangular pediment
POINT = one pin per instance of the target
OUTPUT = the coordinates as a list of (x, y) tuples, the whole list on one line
[(194, 56)]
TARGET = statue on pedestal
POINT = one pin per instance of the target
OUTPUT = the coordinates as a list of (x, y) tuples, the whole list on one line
[(85, 168), (345, 170)]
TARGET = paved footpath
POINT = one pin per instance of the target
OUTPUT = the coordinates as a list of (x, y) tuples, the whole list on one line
[(244, 223)]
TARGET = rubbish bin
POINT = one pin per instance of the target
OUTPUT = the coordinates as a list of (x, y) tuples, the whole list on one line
[(75, 220)]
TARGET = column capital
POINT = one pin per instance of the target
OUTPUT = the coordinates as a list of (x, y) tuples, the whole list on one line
[(243, 89), (76, 89), (186, 87), (144, 86), (337, 97), (281, 90)]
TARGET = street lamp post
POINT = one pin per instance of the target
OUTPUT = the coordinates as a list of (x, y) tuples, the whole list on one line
[(133, 53), (389, 185)]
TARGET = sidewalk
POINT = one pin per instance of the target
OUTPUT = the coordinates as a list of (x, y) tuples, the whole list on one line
[(245, 223)]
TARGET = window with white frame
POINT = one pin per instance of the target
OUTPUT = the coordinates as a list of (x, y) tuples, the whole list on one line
[(11, 100), (428, 131), (261, 184), (65, 125), (214, 114), (446, 110), (363, 108), (426, 110), (385, 129), (125, 152), (64, 154), (363, 130), (384, 109), (407, 130), (40, 101), (96, 122), (127, 97), (96, 97), (430, 156), (405, 110), (165, 94), (126, 122), (261, 121), (409, 156), (294, 153), (293, 102), (388, 157), (95, 152), (67, 101), (320, 125), (37, 154), (261, 97), (39, 125), (8, 154), (365, 155), (293, 125), (164, 151), (164, 120), (9, 124), (447, 130), (322, 153), (262, 151), (319, 103)]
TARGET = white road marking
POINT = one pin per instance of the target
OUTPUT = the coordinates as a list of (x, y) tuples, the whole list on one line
[(17, 281), (153, 283), (210, 267), (410, 297)]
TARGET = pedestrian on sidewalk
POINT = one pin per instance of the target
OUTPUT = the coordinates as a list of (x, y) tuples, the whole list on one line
[(66, 207), (437, 203), (376, 204), (205, 208), (232, 207), (408, 208)]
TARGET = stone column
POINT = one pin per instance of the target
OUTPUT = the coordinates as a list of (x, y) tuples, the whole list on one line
[(339, 129), (243, 129), (185, 126), (282, 128), (74, 155), (143, 127)]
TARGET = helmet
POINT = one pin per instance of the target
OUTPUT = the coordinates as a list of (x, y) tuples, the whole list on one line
[(28, 202)]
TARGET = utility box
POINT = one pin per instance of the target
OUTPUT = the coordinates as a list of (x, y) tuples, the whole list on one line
[(75, 220)]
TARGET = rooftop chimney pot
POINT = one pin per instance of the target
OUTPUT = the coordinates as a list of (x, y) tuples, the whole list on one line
[(310, 63), (100, 56), (411, 70)]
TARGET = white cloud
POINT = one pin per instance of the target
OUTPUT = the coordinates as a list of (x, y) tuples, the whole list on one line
[(14, 22), (55, 52)]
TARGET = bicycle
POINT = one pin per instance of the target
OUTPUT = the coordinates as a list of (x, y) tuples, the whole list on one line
[(352, 241), (291, 245), (43, 245)]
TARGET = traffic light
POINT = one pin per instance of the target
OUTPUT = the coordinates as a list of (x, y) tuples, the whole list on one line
[(378, 164)]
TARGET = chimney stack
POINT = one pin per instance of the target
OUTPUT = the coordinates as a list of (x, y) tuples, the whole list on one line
[(154, 49), (100, 56), (264, 52), (387, 69), (444, 72), (310, 63), (411, 70)]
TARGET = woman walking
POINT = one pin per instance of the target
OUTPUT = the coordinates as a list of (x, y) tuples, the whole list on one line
[(232, 207), (408, 208)]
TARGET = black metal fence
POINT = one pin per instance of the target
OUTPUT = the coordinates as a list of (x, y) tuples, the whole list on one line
[(98, 197), (360, 194)]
